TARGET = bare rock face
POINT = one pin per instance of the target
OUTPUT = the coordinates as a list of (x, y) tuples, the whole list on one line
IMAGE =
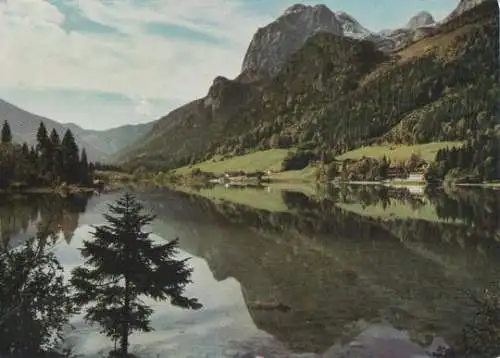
[(273, 44), (421, 19), (351, 26), (463, 6)]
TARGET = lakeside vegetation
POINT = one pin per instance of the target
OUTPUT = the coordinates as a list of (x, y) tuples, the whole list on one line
[(51, 164), (392, 164)]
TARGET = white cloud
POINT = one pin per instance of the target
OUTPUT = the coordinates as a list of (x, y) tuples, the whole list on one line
[(37, 53)]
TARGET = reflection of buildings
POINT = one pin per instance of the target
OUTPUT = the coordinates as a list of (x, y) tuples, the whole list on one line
[(25, 216), (331, 267)]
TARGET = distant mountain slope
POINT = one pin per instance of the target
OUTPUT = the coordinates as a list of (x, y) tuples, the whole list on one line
[(111, 141), (24, 126), (100, 145), (337, 93)]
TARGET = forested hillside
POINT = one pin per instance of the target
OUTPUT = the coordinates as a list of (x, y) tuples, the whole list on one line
[(337, 94)]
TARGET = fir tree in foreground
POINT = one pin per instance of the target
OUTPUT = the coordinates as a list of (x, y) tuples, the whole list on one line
[(122, 264)]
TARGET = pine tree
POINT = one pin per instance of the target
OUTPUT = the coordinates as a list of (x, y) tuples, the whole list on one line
[(84, 168), (122, 264), (41, 137), (70, 158), (57, 159), (43, 149), (6, 133)]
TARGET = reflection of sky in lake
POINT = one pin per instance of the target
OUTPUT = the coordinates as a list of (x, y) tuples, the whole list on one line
[(222, 328)]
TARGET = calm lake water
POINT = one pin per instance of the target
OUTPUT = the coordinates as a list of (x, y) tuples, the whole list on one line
[(369, 261)]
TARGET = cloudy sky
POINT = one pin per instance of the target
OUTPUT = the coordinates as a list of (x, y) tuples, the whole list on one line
[(105, 63)]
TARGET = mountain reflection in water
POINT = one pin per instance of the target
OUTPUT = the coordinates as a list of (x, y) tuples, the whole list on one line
[(346, 260)]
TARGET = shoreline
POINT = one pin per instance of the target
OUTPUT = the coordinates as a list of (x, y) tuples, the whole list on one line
[(49, 190)]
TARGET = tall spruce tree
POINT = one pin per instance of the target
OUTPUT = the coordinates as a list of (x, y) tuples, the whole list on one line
[(42, 137), (6, 133), (70, 158), (84, 168), (43, 149), (57, 159), (122, 264)]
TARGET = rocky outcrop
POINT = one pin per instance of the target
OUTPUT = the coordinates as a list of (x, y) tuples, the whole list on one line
[(273, 44), (421, 19), (351, 26), (225, 96), (419, 26)]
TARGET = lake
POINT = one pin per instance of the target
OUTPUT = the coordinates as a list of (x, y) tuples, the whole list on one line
[(350, 262)]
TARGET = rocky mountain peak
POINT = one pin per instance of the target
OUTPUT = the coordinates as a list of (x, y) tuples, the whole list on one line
[(423, 18), (273, 44), (295, 9), (463, 6)]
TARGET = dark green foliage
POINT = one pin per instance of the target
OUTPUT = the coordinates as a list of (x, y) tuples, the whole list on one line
[(338, 117), (57, 159), (49, 163), (477, 161), (297, 160), (6, 133), (34, 300), (122, 264), (371, 169), (327, 172), (84, 168), (70, 158)]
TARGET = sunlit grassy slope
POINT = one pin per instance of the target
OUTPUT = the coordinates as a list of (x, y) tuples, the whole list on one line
[(398, 153), (258, 161)]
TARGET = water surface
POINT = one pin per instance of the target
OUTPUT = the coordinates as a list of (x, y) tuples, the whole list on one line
[(346, 260)]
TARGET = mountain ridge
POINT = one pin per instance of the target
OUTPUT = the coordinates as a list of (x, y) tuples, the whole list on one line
[(263, 115), (99, 145)]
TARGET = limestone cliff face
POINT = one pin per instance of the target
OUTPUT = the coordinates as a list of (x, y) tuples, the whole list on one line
[(273, 44)]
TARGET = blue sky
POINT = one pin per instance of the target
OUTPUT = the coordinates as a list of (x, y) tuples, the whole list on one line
[(105, 63)]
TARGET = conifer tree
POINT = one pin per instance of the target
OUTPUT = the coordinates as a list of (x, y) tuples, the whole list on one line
[(70, 157), (6, 133), (57, 160), (84, 167), (122, 264), (43, 149), (41, 137)]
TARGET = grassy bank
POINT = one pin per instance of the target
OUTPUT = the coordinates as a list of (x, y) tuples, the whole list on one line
[(258, 161), (399, 153)]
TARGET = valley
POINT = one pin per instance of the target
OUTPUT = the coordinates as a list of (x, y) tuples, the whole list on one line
[(336, 194), (337, 94)]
